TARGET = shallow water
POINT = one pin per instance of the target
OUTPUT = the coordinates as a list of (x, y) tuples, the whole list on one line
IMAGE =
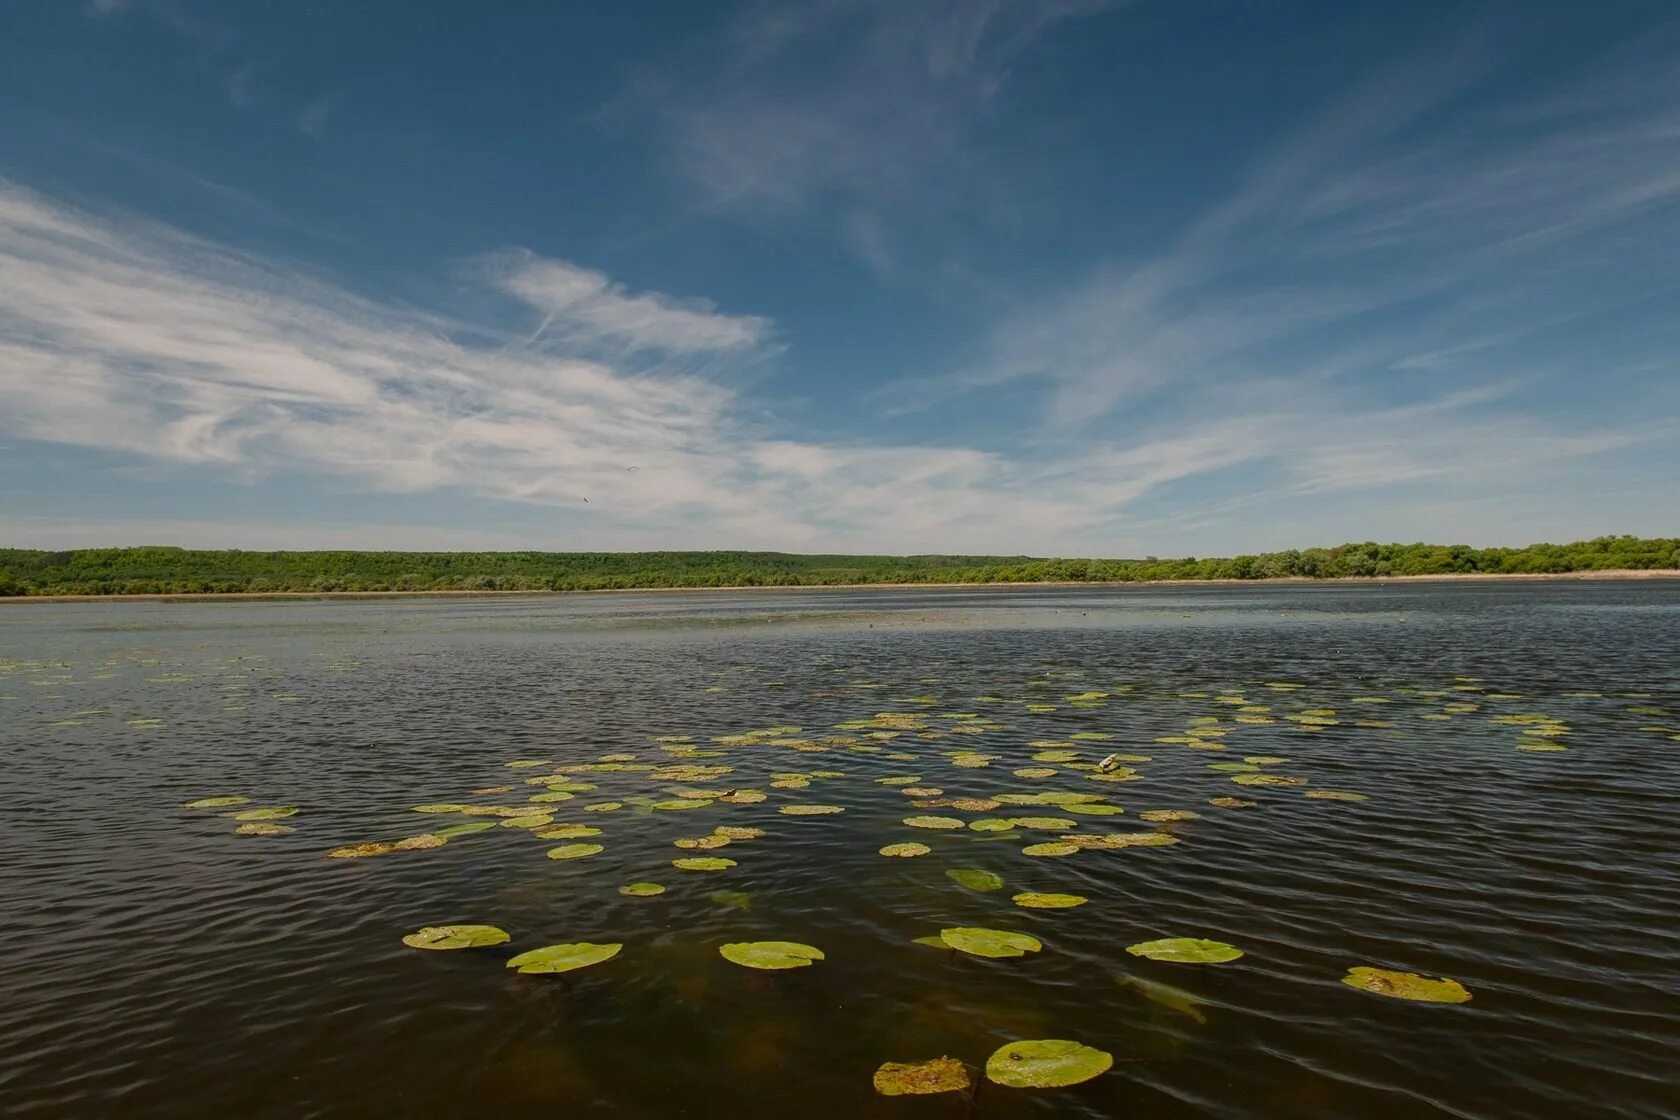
[(158, 964)]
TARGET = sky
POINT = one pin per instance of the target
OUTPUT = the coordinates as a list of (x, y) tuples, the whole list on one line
[(1065, 277)]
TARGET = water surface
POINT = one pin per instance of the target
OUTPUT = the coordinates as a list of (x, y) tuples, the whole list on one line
[(158, 964)]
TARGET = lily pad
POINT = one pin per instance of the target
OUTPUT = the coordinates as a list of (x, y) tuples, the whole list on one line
[(770, 954), (975, 879), (216, 802), (263, 828), (735, 900), (938, 1075), (441, 807), (1044, 824), (703, 863), (574, 851), (641, 890), (1054, 848), (1157, 816), (1186, 950), (996, 943), (810, 810), (974, 804), (906, 851), (271, 814), (465, 828), (1035, 901), (563, 958), (455, 937), (567, 832), (357, 851), (1046, 1063), (420, 842), (1406, 985), (676, 804), (1093, 810), (1231, 803), (1335, 795), (933, 822)]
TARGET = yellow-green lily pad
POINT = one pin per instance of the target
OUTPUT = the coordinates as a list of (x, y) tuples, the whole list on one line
[(997, 943), (770, 954), (270, 814), (1035, 901), (906, 851), (641, 890), (810, 810), (1406, 985), (216, 802), (1054, 848), (563, 958), (1186, 950), (933, 822), (574, 851), (465, 828), (938, 1075), (975, 879), (1046, 1063), (455, 937), (703, 863)]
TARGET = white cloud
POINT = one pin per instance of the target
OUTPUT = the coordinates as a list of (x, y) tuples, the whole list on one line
[(141, 340)]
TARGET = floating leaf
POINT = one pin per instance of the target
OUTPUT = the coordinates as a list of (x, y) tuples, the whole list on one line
[(921, 791), (216, 802), (1056, 848), (533, 820), (939, 1075), (1267, 780), (1035, 901), (262, 828), (1175, 999), (989, 942), (455, 937), (1231, 803), (441, 807), (1046, 1063), (974, 804), (933, 822), (1035, 772), (809, 810), (703, 863), (899, 781), (574, 851), (975, 879), (422, 841), (1185, 950), (906, 851), (357, 851), (737, 900), (991, 824), (1406, 985), (701, 843), (1046, 824), (603, 807), (1335, 795), (568, 832), (679, 803), (641, 890), (1093, 810), (272, 814), (737, 832), (563, 958), (1156, 816), (770, 954)]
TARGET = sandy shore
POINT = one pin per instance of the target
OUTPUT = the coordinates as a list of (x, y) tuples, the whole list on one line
[(1374, 581)]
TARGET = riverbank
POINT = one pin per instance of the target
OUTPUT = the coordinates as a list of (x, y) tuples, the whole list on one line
[(1446, 577)]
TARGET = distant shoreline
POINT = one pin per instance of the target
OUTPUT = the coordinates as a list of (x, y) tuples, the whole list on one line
[(1446, 577)]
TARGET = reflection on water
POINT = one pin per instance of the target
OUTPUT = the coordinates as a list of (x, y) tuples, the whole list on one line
[(1518, 748)]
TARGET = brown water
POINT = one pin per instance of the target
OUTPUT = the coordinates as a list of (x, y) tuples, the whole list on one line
[(157, 964)]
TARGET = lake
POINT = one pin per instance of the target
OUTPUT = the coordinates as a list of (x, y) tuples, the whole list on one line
[(1516, 746)]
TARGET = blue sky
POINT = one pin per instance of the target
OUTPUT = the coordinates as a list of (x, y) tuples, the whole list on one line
[(1067, 277)]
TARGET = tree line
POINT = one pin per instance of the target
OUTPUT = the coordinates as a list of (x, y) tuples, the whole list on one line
[(157, 570)]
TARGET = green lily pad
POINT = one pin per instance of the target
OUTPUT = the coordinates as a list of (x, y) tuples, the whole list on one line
[(676, 804), (1054, 848), (1093, 810), (216, 802), (1186, 950), (534, 820), (810, 810), (703, 863), (933, 822), (1046, 1063), (603, 807), (938, 1075), (975, 879), (574, 851), (357, 851), (563, 958), (1158, 816), (906, 851), (1335, 795), (641, 890), (271, 814), (417, 843), (1044, 824), (770, 954), (989, 942), (465, 828), (991, 824), (441, 807), (567, 832), (455, 937), (1035, 901), (263, 828), (1406, 985)]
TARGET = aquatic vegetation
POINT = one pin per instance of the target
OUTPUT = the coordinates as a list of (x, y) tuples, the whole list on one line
[(1045, 824), (357, 851), (937, 1075), (810, 810), (1054, 848), (770, 954), (641, 890), (270, 814), (420, 842), (1406, 985), (1036, 901), (1231, 803), (465, 828), (263, 828), (563, 958), (216, 802), (735, 900), (567, 832), (1159, 816), (703, 863), (1334, 795), (1047, 1063), (997, 943), (933, 822), (574, 851), (975, 879), (1174, 999), (906, 851), (1186, 950), (455, 937)]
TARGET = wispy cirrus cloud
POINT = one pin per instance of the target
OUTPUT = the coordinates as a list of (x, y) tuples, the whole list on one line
[(138, 339)]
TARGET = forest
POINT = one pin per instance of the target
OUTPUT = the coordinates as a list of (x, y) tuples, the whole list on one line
[(161, 570)]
